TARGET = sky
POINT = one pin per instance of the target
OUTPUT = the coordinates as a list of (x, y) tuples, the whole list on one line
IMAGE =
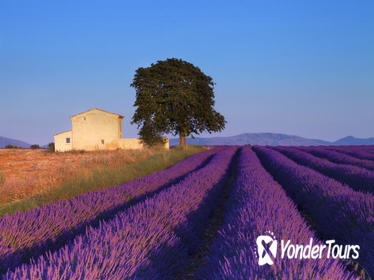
[(297, 67)]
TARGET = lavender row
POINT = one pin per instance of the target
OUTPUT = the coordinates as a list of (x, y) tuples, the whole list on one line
[(368, 148), (357, 152), (337, 211), (149, 240), (27, 234), (256, 205), (356, 177), (338, 157)]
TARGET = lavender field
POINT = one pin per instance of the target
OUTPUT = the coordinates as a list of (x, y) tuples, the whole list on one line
[(202, 219)]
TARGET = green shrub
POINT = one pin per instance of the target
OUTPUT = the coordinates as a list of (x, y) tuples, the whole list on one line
[(35, 146)]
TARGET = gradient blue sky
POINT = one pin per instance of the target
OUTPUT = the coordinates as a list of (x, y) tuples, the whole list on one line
[(296, 67)]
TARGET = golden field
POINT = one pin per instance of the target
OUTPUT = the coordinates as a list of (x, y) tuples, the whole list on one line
[(27, 172), (32, 178)]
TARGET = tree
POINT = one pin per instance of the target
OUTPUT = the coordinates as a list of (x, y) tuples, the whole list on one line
[(174, 96), (35, 146)]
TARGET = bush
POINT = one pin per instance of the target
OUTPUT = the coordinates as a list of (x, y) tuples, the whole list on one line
[(35, 146), (51, 147), (12, 147)]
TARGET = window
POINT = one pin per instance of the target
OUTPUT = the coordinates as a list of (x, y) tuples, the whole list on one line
[(102, 141), (67, 140)]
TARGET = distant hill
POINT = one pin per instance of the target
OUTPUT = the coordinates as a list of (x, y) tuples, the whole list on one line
[(8, 141), (350, 140), (272, 139)]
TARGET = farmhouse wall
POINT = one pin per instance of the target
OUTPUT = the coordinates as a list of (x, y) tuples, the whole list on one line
[(95, 129), (63, 141)]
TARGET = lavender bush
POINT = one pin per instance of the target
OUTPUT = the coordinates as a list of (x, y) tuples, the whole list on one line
[(356, 177), (27, 234), (256, 205), (149, 240), (336, 211), (358, 152), (338, 157)]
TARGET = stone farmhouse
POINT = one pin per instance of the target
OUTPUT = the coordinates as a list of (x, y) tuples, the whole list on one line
[(96, 129)]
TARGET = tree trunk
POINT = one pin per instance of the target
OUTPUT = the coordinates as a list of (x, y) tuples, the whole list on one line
[(182, 139)]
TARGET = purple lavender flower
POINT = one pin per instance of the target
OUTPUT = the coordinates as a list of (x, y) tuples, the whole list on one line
[(335, 210), (257, 205), (27, 234), (149, 240)]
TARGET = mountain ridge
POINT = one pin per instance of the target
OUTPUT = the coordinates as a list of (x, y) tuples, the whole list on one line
[(272, 139), (9, 141), (351, 140)]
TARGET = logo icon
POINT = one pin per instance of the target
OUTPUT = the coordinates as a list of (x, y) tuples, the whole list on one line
[(267, 248)]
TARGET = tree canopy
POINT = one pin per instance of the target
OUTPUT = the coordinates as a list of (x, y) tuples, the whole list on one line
[(174, 96)]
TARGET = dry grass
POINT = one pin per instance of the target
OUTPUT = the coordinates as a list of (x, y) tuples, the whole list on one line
[(25, 173), (31, 178)]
